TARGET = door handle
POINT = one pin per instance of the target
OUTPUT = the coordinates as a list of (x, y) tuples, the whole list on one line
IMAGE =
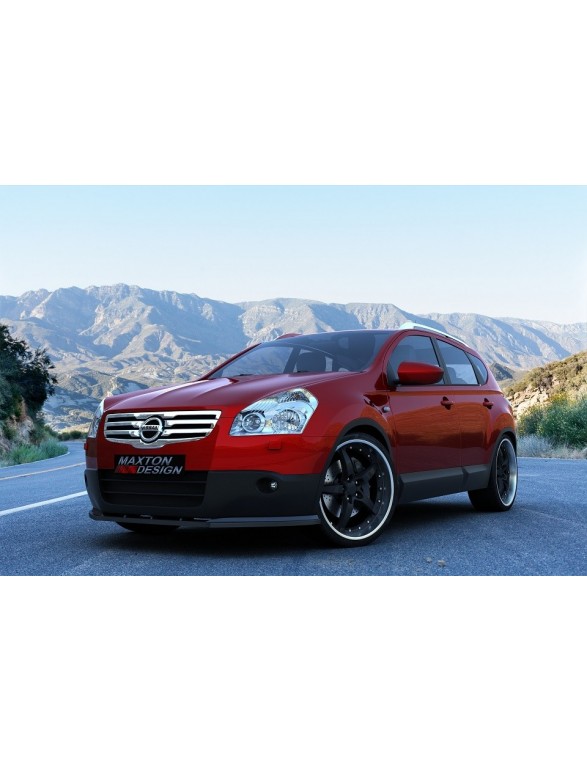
[(487, 403), (445, 402)]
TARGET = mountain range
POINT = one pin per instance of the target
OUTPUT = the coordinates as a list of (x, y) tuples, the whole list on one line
[(111, 339)]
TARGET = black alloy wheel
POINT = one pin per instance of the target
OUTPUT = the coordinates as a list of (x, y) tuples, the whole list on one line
[(357, 492), (500, 493)]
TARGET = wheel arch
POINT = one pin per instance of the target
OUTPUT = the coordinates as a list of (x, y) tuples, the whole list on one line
[(366, 426), (511, 435)]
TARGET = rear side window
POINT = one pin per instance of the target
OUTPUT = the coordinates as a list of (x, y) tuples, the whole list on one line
[(412, 349), (480, 368), (459, 369)]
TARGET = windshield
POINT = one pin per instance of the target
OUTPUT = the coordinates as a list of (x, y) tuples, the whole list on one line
[(339, 352)]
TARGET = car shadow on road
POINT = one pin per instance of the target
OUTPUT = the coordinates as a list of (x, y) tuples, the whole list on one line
[(254, 542), (434, 512)]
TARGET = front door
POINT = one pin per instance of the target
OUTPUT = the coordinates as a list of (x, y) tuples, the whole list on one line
[(426, 424)]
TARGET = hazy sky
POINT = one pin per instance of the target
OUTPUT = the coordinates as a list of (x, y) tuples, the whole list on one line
[(517, 251)]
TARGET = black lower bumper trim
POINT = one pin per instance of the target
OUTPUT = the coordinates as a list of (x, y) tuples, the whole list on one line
[(230, 498), (232, 523)]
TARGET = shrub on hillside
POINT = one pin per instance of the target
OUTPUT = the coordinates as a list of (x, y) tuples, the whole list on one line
[(561, 422), (72, 434), (9, 398), (569, 374), (26, 381), (29, 453), (25, 374)]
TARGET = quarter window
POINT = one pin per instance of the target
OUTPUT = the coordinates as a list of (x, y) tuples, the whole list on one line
[(459, 369), (479, 366)]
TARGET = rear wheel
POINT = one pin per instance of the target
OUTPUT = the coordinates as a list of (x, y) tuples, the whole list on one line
[(500, 493), (357, 493), (153, 529)]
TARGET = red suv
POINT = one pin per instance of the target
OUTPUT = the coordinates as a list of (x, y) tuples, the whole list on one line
[(330, 428)]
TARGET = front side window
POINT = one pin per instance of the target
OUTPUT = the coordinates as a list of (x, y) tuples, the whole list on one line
[(412, 349), (459, 369)]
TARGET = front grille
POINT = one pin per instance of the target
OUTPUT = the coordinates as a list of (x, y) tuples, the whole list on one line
[(184, 491), (177, 426)]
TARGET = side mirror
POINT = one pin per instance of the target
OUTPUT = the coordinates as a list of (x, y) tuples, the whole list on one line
[(418, 373)]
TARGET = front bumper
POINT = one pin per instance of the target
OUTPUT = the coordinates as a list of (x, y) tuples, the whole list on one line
[(206, 499)]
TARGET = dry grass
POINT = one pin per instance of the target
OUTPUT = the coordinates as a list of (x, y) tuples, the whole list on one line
[(533, 446)]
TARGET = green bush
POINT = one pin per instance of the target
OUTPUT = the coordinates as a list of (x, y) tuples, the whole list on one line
[(73, 434), (28, 453), (530, 421), (25, 374), (561, 422), (10, 399), (7, 431)]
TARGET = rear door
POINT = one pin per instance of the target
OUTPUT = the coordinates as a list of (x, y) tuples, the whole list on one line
[(472, 403)]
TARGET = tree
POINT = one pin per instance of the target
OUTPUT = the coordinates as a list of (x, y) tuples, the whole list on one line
[(25, 374)]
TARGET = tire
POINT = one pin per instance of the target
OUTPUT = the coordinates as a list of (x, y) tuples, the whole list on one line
[(153, 529), (357, 496), (500, 493)]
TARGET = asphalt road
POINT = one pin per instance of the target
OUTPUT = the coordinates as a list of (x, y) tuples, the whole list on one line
[(545, 533)]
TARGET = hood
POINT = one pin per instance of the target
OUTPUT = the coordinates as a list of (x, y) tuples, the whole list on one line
[(219, 393)]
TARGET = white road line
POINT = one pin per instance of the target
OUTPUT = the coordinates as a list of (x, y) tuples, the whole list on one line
[(34, 473), (45, 502)]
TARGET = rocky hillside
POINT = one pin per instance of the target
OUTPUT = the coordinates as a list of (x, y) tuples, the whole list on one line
[(115, 338), (16, 430), (567, 377)]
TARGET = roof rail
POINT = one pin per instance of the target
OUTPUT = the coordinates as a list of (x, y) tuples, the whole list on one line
[(410, 324)]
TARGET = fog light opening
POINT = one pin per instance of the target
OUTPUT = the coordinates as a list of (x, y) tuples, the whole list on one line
[(268, 486)]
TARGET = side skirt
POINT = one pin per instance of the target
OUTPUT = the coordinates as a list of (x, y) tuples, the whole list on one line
[(447, 481)]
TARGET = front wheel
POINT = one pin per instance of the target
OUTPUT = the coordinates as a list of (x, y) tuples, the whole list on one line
[(500, 493), (357, 493)]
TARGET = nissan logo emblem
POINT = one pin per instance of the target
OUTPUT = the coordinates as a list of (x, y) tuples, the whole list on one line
[(151, 429)]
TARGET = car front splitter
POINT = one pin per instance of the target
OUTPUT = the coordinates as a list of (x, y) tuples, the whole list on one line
[(216, 523)]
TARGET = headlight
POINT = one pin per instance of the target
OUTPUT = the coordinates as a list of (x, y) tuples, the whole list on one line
[(93, 431), (284, 413)]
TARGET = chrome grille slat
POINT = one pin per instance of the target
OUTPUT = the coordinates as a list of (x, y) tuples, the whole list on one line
[(180, 426), (170, 432)]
